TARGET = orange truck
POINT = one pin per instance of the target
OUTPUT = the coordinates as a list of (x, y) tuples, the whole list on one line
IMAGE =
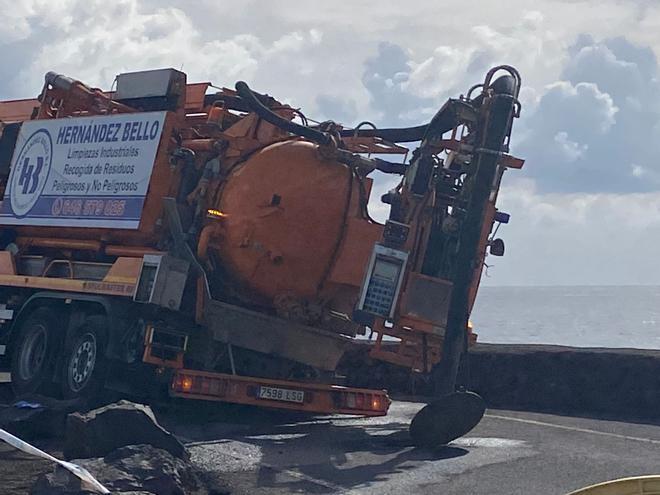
[(216, 243)]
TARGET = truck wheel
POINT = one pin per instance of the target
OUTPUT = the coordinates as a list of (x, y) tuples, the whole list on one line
[(32, 351), (83, 360)]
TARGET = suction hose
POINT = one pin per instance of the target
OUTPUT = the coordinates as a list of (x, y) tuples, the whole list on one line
[(268, 115), (321, 138)]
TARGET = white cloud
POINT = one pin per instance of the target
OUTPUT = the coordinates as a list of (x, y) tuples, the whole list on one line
[(590, 129), (94, 47), (564, 239), (638, 171), (570, 149), (14, 26)]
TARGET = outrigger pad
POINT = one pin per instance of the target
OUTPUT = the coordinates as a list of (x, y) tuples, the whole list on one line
[(447, 419)]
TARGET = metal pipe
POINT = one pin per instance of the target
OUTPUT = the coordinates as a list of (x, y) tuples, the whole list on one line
[(131, 251), (80, 244), (200, 145), (87, 245), (393, 135), (369, 164)]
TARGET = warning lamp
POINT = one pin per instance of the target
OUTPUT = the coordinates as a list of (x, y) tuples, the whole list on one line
[(186, 383), (215, 213)]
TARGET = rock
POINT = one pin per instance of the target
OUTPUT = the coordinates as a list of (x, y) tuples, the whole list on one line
[(135, 470), (143, 467), (108, 428), (59, 482), (36, 416)]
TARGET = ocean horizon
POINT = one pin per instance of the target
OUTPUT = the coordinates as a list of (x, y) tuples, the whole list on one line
[(613, 316)]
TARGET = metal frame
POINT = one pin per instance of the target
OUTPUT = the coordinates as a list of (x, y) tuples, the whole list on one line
[(319, 398)]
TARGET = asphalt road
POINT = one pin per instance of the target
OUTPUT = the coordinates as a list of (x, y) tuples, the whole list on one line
[(508, 453)]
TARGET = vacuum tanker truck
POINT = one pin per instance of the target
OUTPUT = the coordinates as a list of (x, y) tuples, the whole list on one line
[(216, 242)]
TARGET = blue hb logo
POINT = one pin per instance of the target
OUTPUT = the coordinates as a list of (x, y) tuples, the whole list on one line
[(29, 178), (30, 171)]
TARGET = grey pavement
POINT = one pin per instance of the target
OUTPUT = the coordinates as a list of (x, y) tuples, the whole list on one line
[(508, 453)]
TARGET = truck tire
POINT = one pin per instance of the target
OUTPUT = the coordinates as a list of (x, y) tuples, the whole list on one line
[(83, 362), (32, 351)]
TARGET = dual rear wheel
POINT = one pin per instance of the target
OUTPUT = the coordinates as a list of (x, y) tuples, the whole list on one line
[(39, 342)]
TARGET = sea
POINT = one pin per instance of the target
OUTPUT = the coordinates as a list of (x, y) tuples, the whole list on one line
[(580, 316)]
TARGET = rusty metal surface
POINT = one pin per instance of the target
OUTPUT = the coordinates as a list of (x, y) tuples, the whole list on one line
[(274, 336), (427, 298)]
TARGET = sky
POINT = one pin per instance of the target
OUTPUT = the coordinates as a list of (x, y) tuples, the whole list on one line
[(585, 210)]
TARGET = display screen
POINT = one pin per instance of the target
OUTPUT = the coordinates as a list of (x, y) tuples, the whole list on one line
[(386, 270)]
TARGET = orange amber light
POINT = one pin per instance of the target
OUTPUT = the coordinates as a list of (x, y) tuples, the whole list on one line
[(215, 214), (186, 384)]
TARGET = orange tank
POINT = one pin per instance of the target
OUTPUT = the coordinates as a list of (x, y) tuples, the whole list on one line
[(287, 210)]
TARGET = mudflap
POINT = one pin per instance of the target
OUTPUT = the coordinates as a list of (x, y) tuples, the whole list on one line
[(447, 419)]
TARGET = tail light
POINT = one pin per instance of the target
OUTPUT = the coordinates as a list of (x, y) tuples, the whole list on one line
[(363, 401), (200, 385)]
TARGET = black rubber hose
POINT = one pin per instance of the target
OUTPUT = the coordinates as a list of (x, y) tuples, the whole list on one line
[(402, 135), (252, 101), (444, 120), (390, 167), (265, 113), (249, 100), (234, 102)]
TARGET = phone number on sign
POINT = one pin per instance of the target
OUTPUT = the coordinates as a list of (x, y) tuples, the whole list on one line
[(88, 207)]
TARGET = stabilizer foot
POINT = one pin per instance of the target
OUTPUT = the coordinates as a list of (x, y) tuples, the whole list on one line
[(447, 419)]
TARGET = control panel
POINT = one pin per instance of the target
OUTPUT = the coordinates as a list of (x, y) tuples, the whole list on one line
[(382, 283)]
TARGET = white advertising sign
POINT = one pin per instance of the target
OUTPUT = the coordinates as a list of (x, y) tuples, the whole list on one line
[(82, 172)]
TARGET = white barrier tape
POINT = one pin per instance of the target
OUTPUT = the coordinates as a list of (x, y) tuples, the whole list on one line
[(5, 377), (89, 482)]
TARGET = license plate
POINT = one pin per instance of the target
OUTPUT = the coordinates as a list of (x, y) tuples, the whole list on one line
[(283, 394)]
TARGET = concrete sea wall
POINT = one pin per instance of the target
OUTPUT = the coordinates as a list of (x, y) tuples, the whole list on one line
[(621, 383), (611, 382)]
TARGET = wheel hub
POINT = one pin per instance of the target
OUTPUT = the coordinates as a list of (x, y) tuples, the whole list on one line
[(34, 354), (83, 359)]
